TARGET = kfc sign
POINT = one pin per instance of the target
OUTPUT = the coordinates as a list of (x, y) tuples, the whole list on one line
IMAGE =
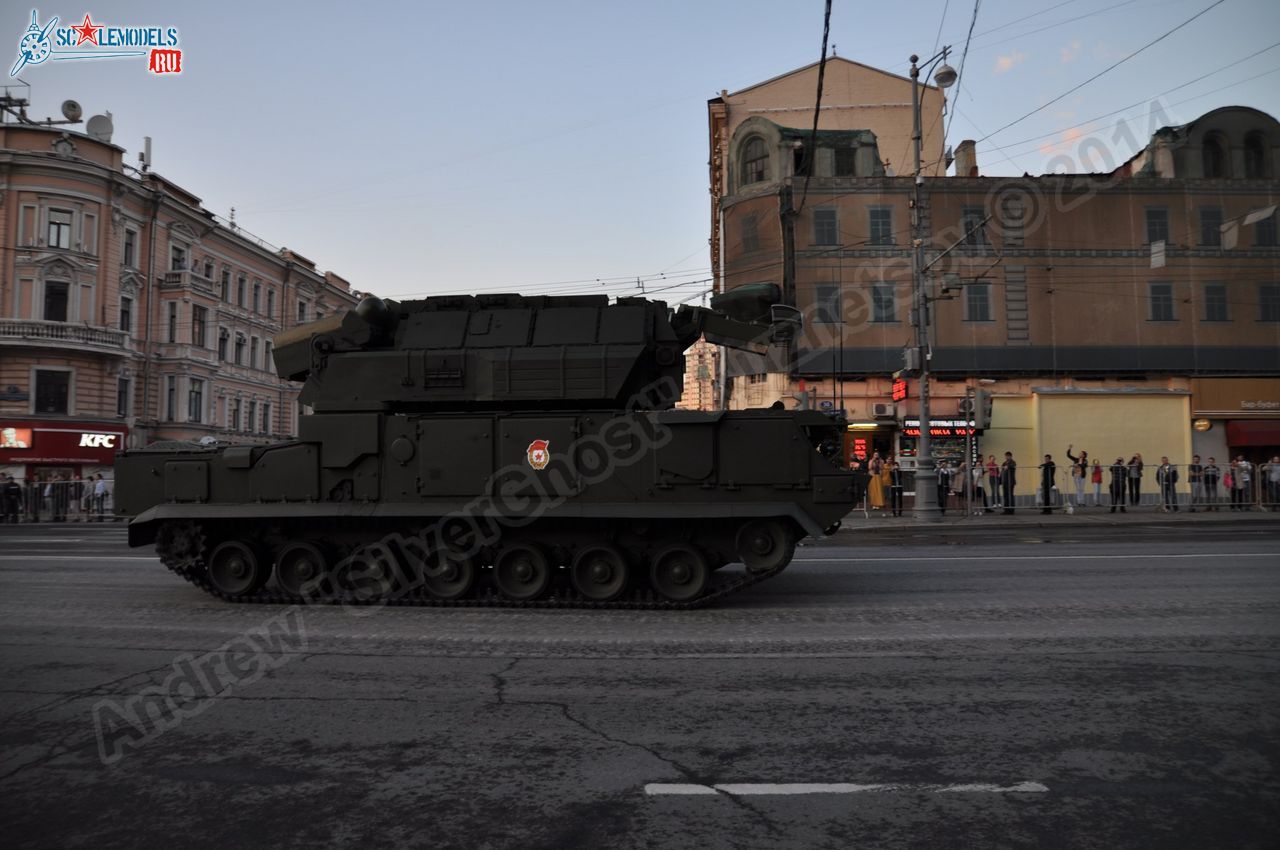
[(98, 441)]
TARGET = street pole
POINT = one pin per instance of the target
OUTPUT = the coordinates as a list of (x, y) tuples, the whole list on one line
[(926, 502)]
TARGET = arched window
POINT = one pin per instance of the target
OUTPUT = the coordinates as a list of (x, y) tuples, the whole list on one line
[(755, 161), (1255, 155), (1215, 158)]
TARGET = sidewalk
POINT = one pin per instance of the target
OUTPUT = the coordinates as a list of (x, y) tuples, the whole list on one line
[(1031, 517)]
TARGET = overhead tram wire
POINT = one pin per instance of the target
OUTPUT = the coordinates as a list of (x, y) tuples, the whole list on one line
[(1109, 68), (946, 132), (810, 160), (941, 21)]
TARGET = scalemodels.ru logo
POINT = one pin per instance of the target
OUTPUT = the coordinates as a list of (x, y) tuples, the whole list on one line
[(90, 40)]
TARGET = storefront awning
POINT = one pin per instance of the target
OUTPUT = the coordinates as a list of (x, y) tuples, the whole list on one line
[(1253, 432)]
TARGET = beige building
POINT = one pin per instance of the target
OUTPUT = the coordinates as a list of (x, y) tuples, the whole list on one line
[(1096, 309), (130, 314)]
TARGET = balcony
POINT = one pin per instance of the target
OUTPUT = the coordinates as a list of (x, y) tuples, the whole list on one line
[(38, 334), (183, 280)]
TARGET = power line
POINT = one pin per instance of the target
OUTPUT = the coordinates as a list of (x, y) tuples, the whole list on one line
[(810, 154), (946, 133), (1105, 70)]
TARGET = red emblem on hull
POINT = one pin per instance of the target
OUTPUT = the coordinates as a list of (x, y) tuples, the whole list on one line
[(539, 453)]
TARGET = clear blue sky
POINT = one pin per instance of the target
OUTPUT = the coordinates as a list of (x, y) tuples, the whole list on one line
[(433, 147)]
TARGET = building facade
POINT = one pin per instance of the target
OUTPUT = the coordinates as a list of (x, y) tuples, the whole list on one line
[(1136, 311), (131, 314)]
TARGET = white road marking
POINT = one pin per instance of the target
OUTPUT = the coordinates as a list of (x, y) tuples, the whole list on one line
[(1036, 557), (77, 558), (21, 539), (655, 789)]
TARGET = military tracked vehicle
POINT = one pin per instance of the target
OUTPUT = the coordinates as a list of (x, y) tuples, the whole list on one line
[(499, 450)]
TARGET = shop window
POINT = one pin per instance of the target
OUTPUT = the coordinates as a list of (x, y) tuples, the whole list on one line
[(1215, 302), (55, 301), (1160, 301), (59, 229), (53, 391)]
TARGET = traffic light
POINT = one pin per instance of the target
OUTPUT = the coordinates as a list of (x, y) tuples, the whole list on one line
[(981, 409)]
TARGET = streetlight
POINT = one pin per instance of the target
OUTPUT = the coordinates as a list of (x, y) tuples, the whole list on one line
[(926, 506)]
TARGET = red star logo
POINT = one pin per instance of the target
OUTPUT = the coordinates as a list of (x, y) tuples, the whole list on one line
[(87, 31)]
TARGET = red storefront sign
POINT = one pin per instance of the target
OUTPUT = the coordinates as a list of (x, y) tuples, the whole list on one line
[(36, 441), (899, 390)]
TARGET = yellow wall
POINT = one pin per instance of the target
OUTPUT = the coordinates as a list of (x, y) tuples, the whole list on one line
[(1112, 426), (1013, 429)]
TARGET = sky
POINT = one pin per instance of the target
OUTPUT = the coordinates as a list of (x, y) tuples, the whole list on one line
[(560, 146)]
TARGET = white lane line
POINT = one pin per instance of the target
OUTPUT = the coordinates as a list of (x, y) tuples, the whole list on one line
[(77, 558), (21, 539), (1039, 557), (760, 789)]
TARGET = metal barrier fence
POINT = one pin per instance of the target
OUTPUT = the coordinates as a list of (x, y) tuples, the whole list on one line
[(56, 500)]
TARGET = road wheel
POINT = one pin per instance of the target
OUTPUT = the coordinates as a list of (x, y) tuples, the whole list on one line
[(237, 569), (765, 545), (522, 572), (448, 575), (679, 572), (600, 572), (299, 565)]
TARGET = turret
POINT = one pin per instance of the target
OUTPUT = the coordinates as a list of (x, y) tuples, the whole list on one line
[(511, 352)]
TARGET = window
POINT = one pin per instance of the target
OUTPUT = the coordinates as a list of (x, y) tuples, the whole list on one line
[(226, 285), (130, 248), (977, 302), (1215, 302), (239, 350), (59, 229), (1160, 296), (756, 379), (266, 418), (223, 337), (233, 415), (826, 229), (171, 399), (271, 303), (801, 160), (881, 225), (846, 162), (1214, 159), (1211, 226), (750, 233), (267, 362), (302, 312), (1269, 302), (253, 415), (1264, 232), (173, 320), (826, 303), (195, 401), (1255, 156), (1157, 224), (55, 301), (126, 314), (253, 353), (971, 220), (755, 161), (257, 295), (240, 283), (177, 258), (199, 320), (122, 397), (53, 391), (883, 302), (208, 268)]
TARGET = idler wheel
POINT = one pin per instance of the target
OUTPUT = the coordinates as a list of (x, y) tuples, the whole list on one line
[(299, 565), (765, 545), (679, 572), (522, 572), (236, 569), (600, 572), (448, 575)]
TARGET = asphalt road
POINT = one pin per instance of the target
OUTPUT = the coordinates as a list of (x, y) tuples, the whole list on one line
[(1018, 688)]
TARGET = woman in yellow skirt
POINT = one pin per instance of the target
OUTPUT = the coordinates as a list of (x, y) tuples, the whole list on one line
[(876, 484)]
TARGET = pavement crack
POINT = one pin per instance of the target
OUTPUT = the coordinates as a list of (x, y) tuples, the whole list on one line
[(500, 681)]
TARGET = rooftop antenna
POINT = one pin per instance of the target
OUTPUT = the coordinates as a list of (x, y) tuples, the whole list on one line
[(100, 127), (144, 155), (233, 218)]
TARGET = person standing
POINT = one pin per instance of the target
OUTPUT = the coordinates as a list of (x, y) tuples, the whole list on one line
[(1048, 472), (11, 499), (1095, 476), (1273, 484), (1008, 480), (979, 493), (993, 480), (100, 496), (944, 485), (1135, 479), (1119, 477), (1195, 475), (1241, 480), (875, 484), (1079, 471), (1167, 481), (1211, 475), (896, 487)]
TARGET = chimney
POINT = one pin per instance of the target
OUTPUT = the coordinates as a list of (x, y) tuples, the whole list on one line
[(966, 159)]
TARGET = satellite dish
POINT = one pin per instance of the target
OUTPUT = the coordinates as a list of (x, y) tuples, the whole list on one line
[(100, 127), (71, 110)]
